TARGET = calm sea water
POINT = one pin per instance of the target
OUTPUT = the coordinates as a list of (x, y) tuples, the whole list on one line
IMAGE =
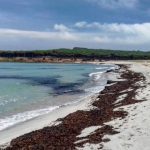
[(29, 90)]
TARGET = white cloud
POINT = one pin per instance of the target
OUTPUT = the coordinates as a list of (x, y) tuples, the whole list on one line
[(61, 28), (117, 29), (94, 35), (124, 34), (20, 39), (115, 3), (36, 34), (81, 24)]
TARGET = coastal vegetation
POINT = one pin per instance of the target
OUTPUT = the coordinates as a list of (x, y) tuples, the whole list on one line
[(79, 53)]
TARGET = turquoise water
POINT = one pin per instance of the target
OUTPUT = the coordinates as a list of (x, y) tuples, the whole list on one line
[(29, 90)]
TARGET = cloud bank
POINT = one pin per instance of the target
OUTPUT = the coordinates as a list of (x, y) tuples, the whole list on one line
[(92, 35), (111, 4)]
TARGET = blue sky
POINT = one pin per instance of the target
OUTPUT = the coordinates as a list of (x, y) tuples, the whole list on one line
[(47, 24)]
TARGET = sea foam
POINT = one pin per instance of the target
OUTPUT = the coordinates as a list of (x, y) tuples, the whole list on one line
[(10, 121), (22, 117)]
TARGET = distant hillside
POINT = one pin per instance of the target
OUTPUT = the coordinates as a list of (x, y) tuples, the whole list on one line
[(81, 53)]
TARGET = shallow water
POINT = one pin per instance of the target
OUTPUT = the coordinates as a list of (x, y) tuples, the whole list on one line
[(29, 90)]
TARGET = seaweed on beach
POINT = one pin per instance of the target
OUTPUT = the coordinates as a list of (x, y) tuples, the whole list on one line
[(64, 136)]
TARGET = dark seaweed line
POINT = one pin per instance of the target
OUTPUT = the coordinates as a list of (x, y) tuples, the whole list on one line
[(64, 135)]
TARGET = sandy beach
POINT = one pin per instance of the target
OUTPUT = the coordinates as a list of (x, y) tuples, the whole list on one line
[(134, 129), (116, 118), (74, 75)]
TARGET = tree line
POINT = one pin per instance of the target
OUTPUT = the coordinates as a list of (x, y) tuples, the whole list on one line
[(82, 53)]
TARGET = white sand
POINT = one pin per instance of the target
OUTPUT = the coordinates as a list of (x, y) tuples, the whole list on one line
[(135, 129), (50, 119), (46, 120), (121, 98), (88, 131)]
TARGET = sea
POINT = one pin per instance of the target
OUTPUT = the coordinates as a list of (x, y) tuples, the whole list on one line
[(30, 90)]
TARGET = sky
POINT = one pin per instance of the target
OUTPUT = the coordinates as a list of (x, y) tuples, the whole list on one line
[(49, 24)]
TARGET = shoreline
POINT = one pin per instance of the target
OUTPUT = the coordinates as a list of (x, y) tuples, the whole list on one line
[(130, 132), (19, 129), (108, 109), (45, 60)]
